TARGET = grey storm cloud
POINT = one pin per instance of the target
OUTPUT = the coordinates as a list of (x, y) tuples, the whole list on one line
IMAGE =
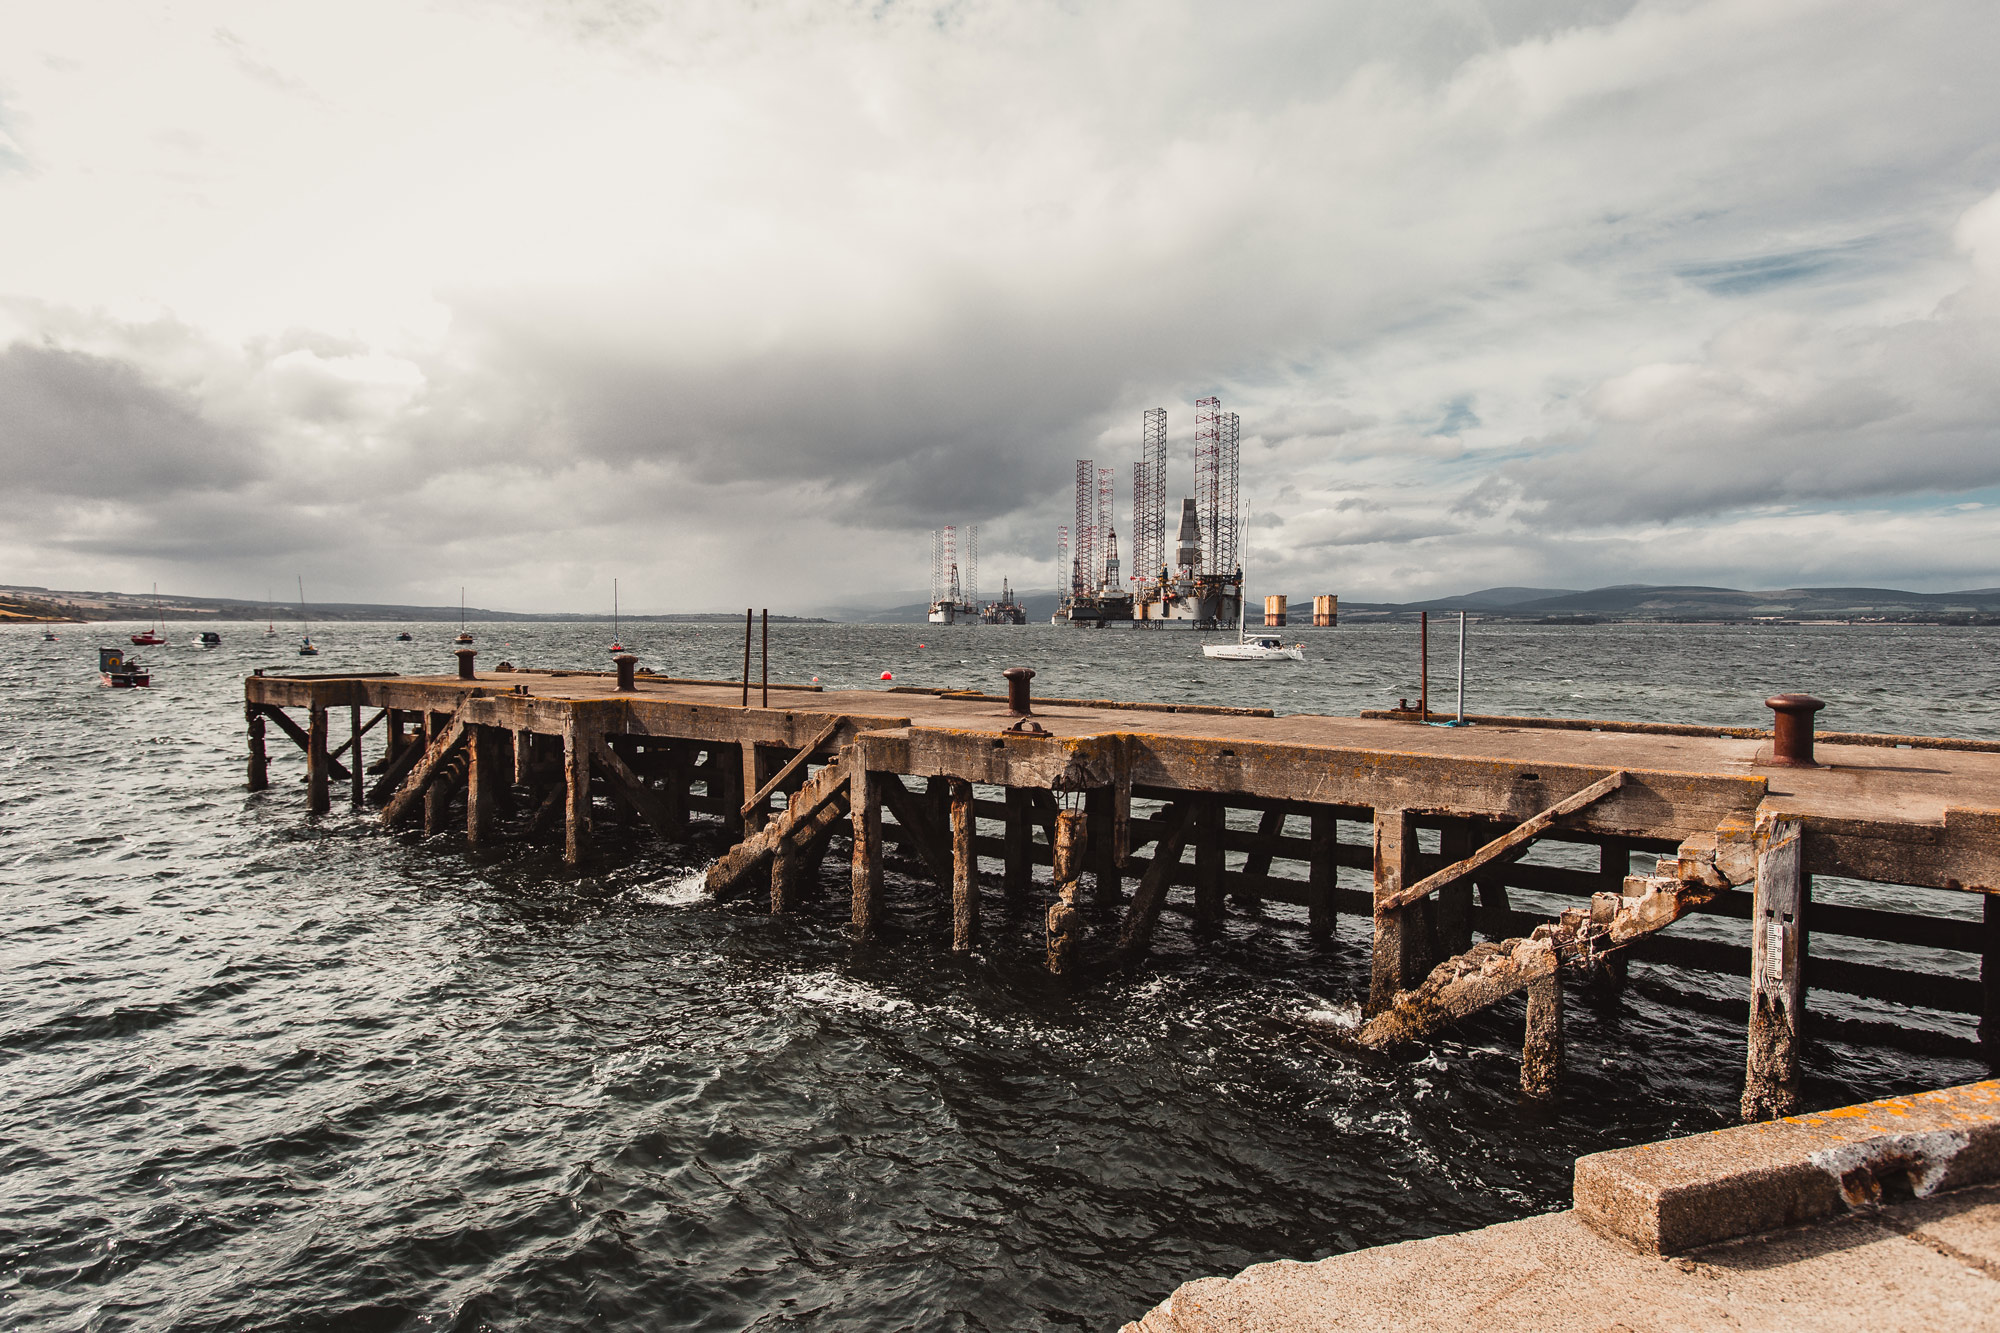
[(74, 424)]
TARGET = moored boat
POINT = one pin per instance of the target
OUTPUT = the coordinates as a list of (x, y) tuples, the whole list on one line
[(119, 672)]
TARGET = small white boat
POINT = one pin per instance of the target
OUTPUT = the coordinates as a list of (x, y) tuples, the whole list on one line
[(1259, 648), (1253, 647)]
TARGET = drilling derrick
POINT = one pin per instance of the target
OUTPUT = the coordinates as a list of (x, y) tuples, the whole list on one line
[(1208, 475), (1149, 510), (946, 600), (1227, 527), (1084, 535), (971, 583), (937, 565), (1063, 576), (1106, 497)]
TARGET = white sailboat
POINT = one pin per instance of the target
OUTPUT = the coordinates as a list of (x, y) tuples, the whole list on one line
[(1257, 648)]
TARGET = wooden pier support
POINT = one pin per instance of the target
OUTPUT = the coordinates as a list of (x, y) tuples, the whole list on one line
[(1323, 875), (354, 766), (260, 762), (865, 868), (1065, 923), (1777, 972), (1208, 859), (1398, 956), (1107, 883), (318, 798), (576, 793), (1017, 857), (964, 869), (481, 779), (1542, 1045)]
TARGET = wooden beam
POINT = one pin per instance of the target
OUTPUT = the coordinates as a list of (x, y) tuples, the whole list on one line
[(1065, 923), (909, 810), (1396, 949), (964, 869), (406, 757), (746, 855), (1541, 1048), (260, 763), (356, 732), (627, 788), (480, 780), (1135, 935), (352, 740), (1500, 846), (318, 799), (434, 755), (805, 753), (865, 868), (335, 769), (577, 745)]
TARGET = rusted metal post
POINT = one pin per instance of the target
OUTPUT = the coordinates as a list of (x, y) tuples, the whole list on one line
[(356, 795), (1323, 876), (1065, 923), (1541, 1049), (748, 617), (260, 761), (1208, 860), (1018, 855), (767, 658), (1424, 664), (576, 793), (318, 799), (1017, 690), (627, 665), (964, 869), (1396, 947), (465, 656), (1792, 729), (478, 783), (1777, 972), (865, 871)]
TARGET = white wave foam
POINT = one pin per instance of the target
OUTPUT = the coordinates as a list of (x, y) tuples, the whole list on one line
[(682, 891), (833, 991)]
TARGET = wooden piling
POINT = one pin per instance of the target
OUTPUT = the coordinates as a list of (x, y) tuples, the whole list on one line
[(1208, 861), (318, 798), (1065, 923), (354, 773), (1107, 883), (784, 878), (1451, 910), (480, 780), (260, 762), (576, 793), (865, 869), (437, 795), (1323, 876), (1396, 948), (964, 869), (753, 782), (1777, 972), (1017, 848), (1541, 1048)]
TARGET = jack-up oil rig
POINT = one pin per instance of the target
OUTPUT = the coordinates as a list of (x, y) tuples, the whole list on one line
[(1202, 586)]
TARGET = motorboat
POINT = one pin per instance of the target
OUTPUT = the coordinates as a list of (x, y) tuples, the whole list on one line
[(210, 639), (119, 672), (48, 636), (406, 637)]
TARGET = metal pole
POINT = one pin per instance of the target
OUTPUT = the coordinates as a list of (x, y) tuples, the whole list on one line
[(1424, 663), (767, 657), (1461, 668), (749, 619)]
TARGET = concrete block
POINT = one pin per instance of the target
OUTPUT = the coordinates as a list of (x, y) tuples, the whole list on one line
[(1680, 1194)]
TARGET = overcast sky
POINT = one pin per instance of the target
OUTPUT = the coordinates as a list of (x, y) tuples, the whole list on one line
[(736, 301)]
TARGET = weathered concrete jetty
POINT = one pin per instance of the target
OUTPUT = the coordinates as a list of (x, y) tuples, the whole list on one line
[(1478, 862)]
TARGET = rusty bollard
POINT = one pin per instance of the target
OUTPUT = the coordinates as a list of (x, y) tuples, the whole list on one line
[(1792, 729), (627, 664), (465, 656), (1017, 690)]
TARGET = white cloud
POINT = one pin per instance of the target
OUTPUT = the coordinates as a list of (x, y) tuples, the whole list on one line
[(1505, 293)]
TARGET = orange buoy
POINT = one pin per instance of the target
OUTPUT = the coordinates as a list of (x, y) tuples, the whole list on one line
[(887, 676)]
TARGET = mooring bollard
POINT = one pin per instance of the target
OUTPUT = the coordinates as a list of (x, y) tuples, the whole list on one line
[(1017, 690), (627, 664), (1792, 729), (465, 656)]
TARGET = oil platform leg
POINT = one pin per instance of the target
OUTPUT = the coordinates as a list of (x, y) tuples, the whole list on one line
[(865, 870), (964, 869), (318, 798), (576, 795), (1541, 1050), (1777, 973), (1396, 946), (260, 762)]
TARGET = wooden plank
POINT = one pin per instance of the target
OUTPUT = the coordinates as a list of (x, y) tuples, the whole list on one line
[(1135, 934), (930, 841), (318, 799), (806, 752), (353, 740), (434, 755), (631, 792), (1500, 846), (1396, 961), (300, 737)]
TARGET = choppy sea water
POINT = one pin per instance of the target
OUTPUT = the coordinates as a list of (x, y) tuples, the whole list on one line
[(261, 1072)]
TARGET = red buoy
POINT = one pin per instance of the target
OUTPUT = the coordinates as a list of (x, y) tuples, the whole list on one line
[(887, 676)]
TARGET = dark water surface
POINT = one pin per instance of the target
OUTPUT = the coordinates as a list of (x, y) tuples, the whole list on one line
[(261, 1072)]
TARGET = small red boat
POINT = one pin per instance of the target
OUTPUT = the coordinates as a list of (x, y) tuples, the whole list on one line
[(115, 670), (148, 639), (152, 637)]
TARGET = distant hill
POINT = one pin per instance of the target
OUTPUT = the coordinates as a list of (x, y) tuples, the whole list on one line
[(171, 606), (1637, 601)]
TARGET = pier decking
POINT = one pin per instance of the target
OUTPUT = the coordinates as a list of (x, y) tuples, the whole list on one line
[(1418, 831)]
